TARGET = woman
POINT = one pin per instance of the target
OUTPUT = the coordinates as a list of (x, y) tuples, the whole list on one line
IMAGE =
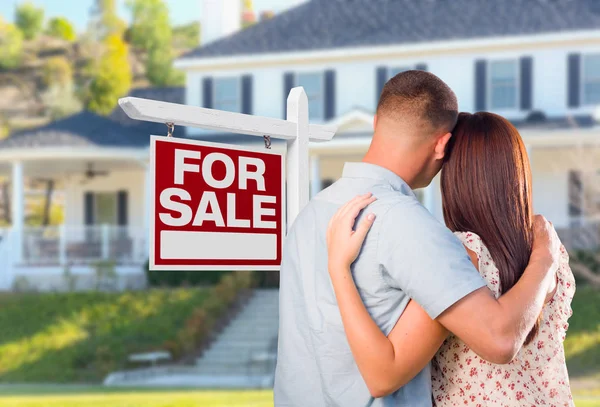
[(486, 193)]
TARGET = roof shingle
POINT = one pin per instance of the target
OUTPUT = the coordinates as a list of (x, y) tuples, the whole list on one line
[(330, 24)]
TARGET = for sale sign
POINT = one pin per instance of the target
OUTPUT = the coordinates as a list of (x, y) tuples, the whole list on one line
[(215, 206)]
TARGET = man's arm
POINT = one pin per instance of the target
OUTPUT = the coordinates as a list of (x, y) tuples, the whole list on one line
[(496, 328), (445, 283)]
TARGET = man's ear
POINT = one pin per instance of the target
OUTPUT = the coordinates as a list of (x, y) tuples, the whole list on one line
[(374, 122), (440, 146)]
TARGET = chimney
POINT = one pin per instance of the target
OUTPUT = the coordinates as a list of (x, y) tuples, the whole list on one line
[(219, 19)]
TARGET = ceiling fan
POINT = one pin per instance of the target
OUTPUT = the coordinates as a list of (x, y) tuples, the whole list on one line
[(90, 173)]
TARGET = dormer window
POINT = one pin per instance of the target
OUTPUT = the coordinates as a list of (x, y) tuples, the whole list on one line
[(591, 79), (503, 84)]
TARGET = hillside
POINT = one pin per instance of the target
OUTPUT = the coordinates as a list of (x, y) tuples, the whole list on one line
[(22, 102)]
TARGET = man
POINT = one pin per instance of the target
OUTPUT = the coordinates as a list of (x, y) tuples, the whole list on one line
[(407, 254)]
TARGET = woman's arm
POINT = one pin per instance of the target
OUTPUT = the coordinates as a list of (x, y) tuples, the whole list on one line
[(385, 363)]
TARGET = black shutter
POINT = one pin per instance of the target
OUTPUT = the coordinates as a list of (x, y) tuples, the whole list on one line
[(574, 80), (382, 78), (329, 94), (480, 85), (207, 93), (122, 208), (247, 94), (88, 208), (421, 67), (288, 84), (526, 83)]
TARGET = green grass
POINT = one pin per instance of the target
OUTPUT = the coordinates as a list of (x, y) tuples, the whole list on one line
[(80, 337), (68, 396), (77, 396), (582, 345)]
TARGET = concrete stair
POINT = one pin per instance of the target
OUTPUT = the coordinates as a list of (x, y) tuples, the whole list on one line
[(242, 356), (247, 346)]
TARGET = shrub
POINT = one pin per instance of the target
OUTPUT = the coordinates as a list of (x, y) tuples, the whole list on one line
[(60, 27), (29, 19), (11, 45)]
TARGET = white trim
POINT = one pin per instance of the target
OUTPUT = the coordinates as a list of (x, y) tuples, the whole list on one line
[(489, 87), (78, 153), (350, 116), (376, 51)]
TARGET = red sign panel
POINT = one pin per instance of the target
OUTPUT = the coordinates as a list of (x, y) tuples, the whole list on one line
[(215, 206)]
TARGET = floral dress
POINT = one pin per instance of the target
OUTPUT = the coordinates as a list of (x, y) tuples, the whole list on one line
[(538, 374)]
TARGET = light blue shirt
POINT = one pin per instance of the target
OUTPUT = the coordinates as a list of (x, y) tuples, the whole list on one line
[(407, 254)]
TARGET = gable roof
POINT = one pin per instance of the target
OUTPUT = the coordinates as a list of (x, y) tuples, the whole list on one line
[(328, 24)]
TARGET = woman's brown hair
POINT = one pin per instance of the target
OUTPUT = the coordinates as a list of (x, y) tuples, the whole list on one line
[(486, 189)]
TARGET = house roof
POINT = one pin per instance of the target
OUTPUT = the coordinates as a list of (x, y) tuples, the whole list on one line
[(327, 24), (87, 129), (83, 129)]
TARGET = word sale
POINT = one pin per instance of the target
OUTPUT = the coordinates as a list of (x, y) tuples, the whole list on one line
[(209, 210)]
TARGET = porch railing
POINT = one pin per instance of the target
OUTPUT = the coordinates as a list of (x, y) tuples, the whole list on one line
[(62, 245)]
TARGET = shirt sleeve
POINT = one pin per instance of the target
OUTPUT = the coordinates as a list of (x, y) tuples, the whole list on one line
[(421, 257)]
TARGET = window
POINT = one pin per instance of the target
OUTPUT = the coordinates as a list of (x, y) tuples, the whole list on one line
[(313, 86), (105, 208), (395, 71), (591, 79), (227, 94), (503, 84)]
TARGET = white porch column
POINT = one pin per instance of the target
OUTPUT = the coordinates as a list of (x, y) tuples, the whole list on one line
[(18, 210), (315, 175)]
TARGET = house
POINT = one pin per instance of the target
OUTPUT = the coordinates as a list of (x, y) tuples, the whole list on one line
[(102, 164), (536, 62)]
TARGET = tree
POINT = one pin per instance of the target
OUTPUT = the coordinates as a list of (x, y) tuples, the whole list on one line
[(186, 36), (29, 19), (11, 45), (60, 27), (57, 71), (151, 31), (112, 78), (104, 20), (61, 101)]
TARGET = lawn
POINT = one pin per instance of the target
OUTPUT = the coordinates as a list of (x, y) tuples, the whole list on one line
[(79, 337), (69, 396), (76, 396)]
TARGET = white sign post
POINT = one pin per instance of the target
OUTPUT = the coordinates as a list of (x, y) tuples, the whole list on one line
[(296, 130)]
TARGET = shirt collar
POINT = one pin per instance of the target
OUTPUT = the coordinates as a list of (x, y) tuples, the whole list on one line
[(375, 172)]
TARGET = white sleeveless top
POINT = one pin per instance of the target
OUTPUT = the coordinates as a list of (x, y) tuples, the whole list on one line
[(538, 374)]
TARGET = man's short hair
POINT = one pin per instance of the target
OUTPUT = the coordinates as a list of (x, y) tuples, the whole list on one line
[(419, 94)]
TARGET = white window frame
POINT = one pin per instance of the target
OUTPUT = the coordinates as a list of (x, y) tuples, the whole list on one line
[(239, 92), (584, 81), (490, 88), (321, 116)]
